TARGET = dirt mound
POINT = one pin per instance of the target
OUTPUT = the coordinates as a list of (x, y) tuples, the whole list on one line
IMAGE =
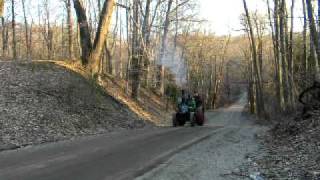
[(149, 105), (44, 102)]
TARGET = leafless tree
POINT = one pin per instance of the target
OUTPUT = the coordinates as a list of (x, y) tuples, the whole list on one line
[(14, 38)]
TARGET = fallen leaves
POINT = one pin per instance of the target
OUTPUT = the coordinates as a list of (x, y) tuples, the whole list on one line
[(42, 102), (291, 149)]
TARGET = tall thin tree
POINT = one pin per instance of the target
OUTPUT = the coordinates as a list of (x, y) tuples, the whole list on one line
[(26, 29), (257, 70), (13, 23), (164, 46)]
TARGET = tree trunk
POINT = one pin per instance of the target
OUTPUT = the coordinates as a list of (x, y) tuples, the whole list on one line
[(85, 40), (313, 33), (164, 46), (30, 38), (176, 26), (251, 96), (318, 24), (257, 70), (48, 31), (128, 67), (70, 29), (146, 39), (120, 73), (279, 58), (108, 59), (91, 54), (26, 29), (5, 37), (214, 95), (136, 52), (305, 24), (101, 35), (285, 55), (291, 60), (275, 53), (14, 41)]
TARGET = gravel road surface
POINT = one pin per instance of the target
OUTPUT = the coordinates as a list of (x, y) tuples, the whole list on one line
[(122, 155), (218, 156)]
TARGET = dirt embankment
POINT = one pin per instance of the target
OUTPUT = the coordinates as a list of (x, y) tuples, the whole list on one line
[(294, 149), (43, 102), (291, 149), (149, 106)]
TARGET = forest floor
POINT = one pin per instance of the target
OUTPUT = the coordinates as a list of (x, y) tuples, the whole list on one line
[(43, 102), (291, 149)]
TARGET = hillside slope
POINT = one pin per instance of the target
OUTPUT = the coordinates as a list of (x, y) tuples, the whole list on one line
[(149, 106), (44, 102)]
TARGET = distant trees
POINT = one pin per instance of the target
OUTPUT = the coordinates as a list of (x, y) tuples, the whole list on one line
[(147, 44), (147, 29), (146, 40), (210, 73), (294, 60)]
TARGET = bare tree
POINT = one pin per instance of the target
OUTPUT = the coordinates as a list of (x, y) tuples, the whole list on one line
[(48, 31), (27, 38), (305, 25), (146, 38), (70, 29), (136, 52), (164, 46), (85, 40), (91, 53), (290, 59), (14, 38), (313, 33), (5, 36), (256, 66)]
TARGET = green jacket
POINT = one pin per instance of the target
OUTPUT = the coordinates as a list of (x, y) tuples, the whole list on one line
[(192, 105)]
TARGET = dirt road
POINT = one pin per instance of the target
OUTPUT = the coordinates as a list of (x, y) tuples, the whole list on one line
[(122, 155), (219, 155), (128, 154)]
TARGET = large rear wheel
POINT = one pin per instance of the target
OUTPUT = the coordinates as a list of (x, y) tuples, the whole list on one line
[(174, 120), (199, 117)]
